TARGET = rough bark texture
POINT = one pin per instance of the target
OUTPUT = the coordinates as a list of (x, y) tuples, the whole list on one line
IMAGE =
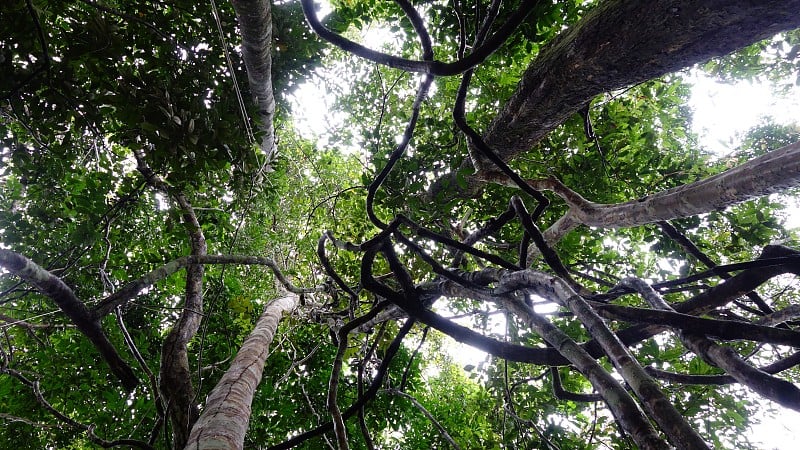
[(768, 174), (226, 416), (53, 287), (255, 25), (176, 378), (618, 44)]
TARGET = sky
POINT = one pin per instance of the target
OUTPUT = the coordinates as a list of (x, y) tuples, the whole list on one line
[(723, 113)]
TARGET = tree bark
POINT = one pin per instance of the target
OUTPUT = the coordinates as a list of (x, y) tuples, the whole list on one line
[(618, 44), (175, 379), (226, 416), (63, 296), (770, 173), (255, 25)]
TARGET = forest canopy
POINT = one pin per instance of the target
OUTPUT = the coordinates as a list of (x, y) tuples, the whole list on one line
[(181, 267)]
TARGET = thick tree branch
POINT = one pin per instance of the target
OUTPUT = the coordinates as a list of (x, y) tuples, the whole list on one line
[(617, 44), (768, 174), (721, 329), (773, 388), (54, 288), (674, 425), (621, 404)]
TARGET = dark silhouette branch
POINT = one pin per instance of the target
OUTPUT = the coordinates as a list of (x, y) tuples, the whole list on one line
[(425, 66), (775, 389), (689, 246), (33, 385), (374, 387)]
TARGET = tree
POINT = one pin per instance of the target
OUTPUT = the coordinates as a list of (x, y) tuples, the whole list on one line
[(151, 207)]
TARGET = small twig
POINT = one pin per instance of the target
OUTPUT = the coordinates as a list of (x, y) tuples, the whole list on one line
[(88, 429), (562, 394), (427, 414)]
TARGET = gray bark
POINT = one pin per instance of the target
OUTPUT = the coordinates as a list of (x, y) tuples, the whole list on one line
[(255, 25), (226, 415), (63, 296), (618, 44), (771, 173)]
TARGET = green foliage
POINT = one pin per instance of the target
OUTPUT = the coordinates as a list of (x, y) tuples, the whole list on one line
[(777, 59), (152, 76)]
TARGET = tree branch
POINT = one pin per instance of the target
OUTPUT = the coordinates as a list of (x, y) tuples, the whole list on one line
[(176, 380), (63, 296), (617, 44), (427, 414), (775, 389), (133, 288)]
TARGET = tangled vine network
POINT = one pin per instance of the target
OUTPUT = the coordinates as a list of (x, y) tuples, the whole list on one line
[(638, 402)]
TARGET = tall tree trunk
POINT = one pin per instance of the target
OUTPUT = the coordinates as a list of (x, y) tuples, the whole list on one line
[(255, 24), (226, 416), (618, 44), (175, 377)]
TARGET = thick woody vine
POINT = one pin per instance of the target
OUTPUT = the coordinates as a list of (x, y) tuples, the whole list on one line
[(639, 402), (389, 290)]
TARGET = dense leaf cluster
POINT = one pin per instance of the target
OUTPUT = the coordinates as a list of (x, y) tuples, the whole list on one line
[(123, 122)]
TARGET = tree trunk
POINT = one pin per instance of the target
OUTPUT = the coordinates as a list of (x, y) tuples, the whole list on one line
[(618, 44), (175, 378), (226, 416), (255, 24)]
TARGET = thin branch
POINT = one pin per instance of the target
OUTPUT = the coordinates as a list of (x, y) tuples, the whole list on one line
[(427, 414), (775, 389), (776, 367), (689, 246), (560, 393), (133, 288), (88, 429), (391, 351)]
